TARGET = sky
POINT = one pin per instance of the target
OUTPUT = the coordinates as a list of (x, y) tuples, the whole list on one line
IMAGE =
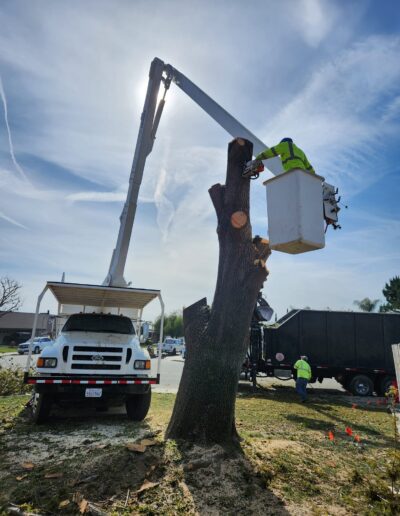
[(73, 80)]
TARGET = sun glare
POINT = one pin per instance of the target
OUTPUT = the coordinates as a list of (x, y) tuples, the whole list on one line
[(141, 91)]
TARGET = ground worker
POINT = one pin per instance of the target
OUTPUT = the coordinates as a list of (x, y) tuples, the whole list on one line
[(291, 155), (303, 377)]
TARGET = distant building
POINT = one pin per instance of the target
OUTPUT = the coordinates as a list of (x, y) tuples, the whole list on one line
[(17, 326)]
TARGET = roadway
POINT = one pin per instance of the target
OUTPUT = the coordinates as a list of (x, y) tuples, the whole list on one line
[(171, 371)]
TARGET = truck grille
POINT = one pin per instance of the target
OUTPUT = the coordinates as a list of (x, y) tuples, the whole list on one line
[(97, 358)]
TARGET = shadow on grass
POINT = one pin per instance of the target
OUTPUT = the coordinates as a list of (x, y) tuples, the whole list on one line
[(223, 481), (167, 478), (287, 394)]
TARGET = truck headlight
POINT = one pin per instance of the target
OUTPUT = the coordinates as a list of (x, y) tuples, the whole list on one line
[(46, 362), (142, 364)]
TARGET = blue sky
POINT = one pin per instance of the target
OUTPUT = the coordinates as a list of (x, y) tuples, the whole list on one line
[(74, 73)]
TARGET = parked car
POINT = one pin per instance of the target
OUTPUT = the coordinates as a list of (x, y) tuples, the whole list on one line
[(39, 343), (172, 346)]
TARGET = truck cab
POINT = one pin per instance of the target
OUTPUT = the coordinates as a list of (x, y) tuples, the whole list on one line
[(96, 358), (95, 342)]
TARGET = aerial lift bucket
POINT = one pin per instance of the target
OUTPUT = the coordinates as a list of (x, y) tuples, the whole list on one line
[(295, 212)]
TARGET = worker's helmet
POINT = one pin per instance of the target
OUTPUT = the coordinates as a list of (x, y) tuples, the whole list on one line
[(304, 357), (286, 140)]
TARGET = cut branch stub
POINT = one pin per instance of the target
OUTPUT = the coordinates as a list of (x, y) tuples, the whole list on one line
[(239, 219)]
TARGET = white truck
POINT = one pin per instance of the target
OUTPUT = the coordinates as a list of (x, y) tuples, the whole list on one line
[(172, 346), (96, 358), (85, 363)]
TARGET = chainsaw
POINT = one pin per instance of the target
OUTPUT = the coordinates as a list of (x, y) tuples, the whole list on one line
[(253, 168)]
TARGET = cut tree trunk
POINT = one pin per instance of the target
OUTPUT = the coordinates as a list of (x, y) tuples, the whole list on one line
[(216, 338)]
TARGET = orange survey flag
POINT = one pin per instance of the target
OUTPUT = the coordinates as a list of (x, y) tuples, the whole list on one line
[(331, 436), (357, 438), (349, 431)]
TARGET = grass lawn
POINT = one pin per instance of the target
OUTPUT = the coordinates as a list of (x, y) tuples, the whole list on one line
[(8, 349), (287, 464)]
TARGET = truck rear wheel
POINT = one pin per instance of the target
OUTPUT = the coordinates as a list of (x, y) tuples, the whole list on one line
[(41, 407), (137, 405), (361, 385)]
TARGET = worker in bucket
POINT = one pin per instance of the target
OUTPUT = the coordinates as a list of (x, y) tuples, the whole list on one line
[(291, 157), (303, 370)]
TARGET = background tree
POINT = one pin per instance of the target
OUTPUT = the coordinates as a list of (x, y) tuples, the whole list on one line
[(392, 295), (367, 304), (217, 336), (173, 325), (10, 298)]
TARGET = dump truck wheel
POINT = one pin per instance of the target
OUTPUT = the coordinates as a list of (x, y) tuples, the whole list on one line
[(362, 385), (41, 407), (137, 405)]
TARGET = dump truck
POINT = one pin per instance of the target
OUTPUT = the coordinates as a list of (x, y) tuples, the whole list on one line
[(354, 348)]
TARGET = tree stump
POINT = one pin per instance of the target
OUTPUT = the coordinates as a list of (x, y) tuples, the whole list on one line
[(216, 337)]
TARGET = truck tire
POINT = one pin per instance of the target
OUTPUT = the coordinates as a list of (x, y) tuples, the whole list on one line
[(361, 385), (174, 351), (41, 407), (385, 384), (137, 405)]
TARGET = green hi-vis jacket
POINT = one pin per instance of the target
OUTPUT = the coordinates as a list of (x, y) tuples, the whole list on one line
[(291, 156), (303, 369)]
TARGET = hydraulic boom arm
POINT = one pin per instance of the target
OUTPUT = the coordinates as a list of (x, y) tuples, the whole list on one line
[(164, 73)]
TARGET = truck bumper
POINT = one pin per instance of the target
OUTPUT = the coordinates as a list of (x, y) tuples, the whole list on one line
[(70, 388), (87, 381), (110, 394)]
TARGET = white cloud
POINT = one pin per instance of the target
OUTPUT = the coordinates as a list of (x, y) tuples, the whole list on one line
[(97, 196), (12, 221), (314, 19), (340, 116)]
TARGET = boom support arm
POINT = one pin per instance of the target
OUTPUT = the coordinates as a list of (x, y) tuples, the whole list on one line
[(162, 73)]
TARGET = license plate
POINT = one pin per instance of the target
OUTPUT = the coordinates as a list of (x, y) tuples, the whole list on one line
[(93, 393)]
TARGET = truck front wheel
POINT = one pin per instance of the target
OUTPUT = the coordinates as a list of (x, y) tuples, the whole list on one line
[(361, 385), (41, 406), (137, 405)]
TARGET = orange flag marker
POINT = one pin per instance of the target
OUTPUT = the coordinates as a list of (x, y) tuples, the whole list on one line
[(349, 431), (357, 438), (331, 436)]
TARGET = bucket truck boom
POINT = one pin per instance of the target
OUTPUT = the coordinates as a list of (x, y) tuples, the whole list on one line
[(163, 74)]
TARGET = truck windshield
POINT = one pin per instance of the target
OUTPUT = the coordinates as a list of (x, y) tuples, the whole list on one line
[(99, 323)]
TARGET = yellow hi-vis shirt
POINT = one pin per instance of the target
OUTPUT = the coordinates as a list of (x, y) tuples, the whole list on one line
[(303, 369), (291, 156)]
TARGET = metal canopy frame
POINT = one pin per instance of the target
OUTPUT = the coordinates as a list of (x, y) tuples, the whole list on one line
[(99, 296)]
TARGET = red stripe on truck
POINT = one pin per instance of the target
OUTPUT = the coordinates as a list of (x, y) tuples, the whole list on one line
[(69, 381)]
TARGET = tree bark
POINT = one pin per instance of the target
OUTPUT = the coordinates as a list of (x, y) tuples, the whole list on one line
[(216, 338)]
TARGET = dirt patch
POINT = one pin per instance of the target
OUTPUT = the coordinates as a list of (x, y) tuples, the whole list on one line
[(68, 442), (220, 483)]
